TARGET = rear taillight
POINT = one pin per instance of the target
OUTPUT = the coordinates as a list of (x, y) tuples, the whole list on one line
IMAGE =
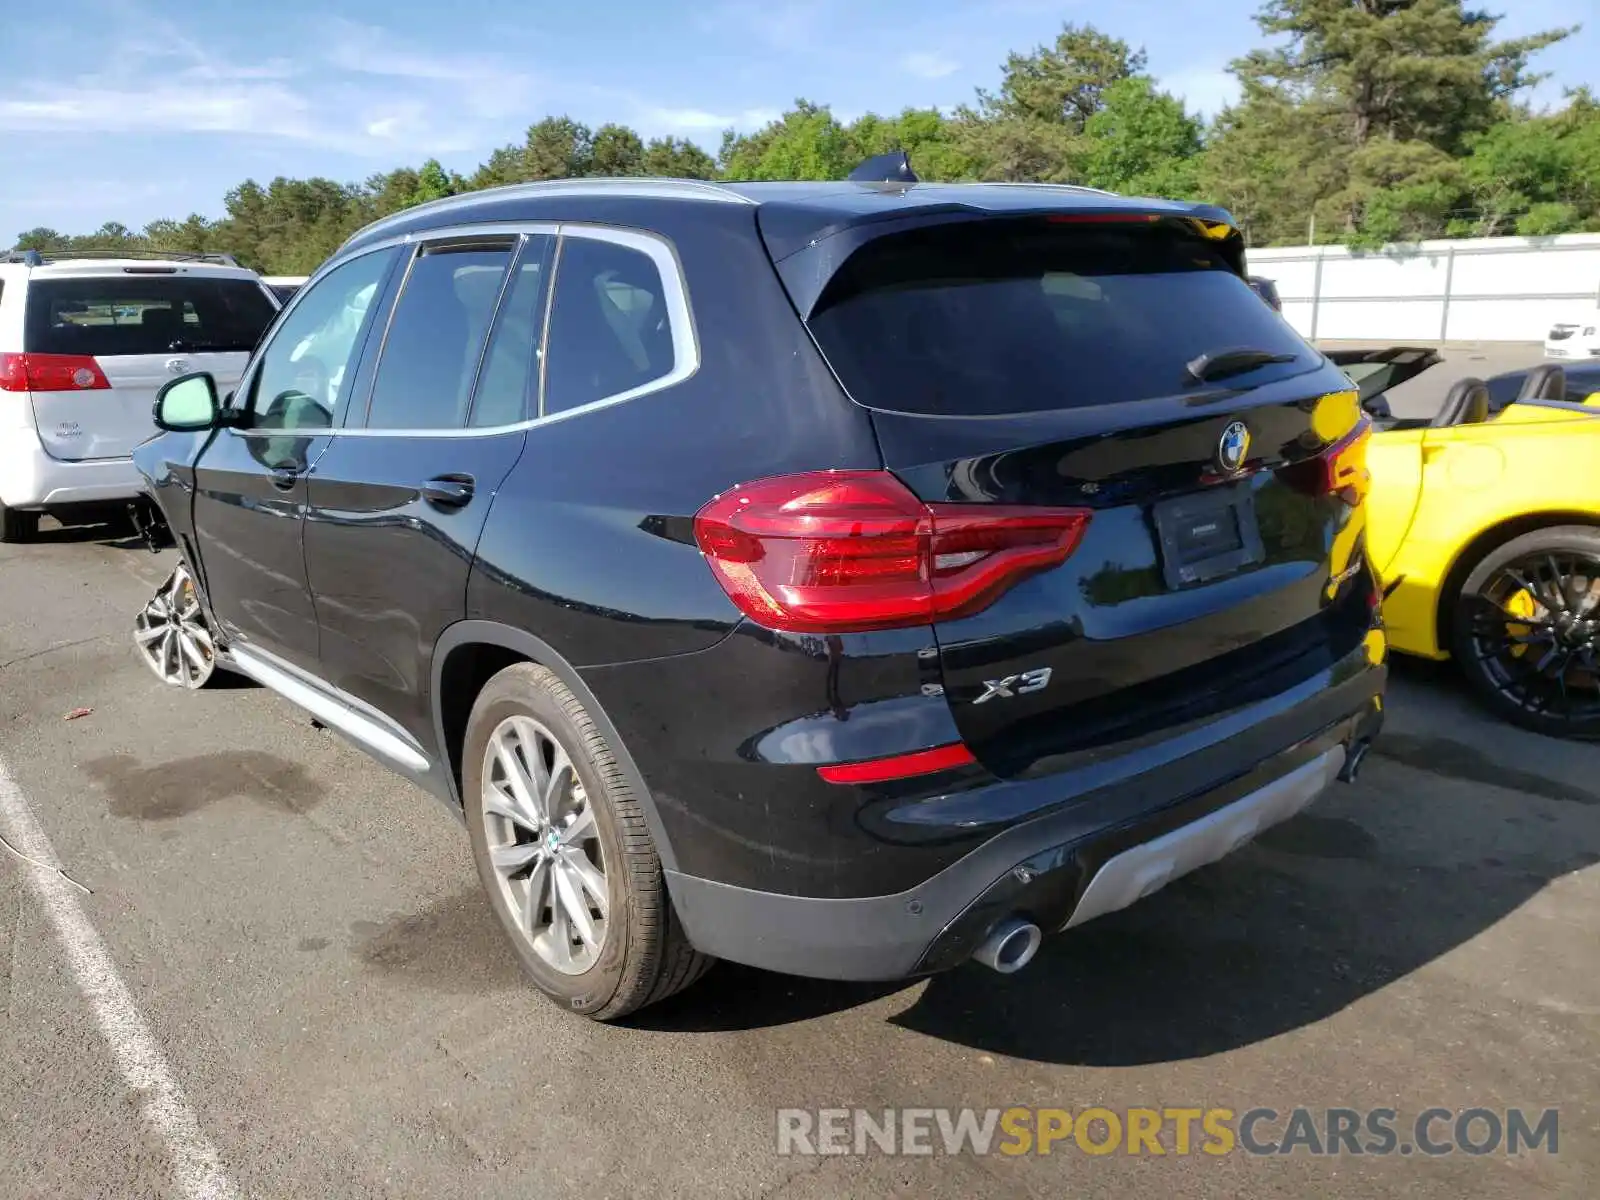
[(50, 373), (847, 551), (1345, 472), (1340, 470)]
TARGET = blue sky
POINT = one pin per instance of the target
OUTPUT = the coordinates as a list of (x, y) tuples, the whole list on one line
[(128, 110)]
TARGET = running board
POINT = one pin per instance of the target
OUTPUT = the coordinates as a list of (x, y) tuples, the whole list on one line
[(365, 731)]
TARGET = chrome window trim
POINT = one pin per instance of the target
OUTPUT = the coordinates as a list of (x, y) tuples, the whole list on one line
[(675, 295)]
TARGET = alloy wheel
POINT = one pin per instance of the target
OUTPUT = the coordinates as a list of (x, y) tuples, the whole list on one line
[(1534, 627), (544, 845), (172, 636)]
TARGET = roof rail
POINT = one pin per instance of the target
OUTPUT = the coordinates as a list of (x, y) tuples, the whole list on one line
[(37, 258), (661, 187)]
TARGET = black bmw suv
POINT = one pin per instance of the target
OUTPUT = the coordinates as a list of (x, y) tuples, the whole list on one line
[(848, 579)]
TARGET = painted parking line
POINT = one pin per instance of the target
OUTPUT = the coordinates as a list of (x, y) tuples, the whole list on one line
[(195, 1162)]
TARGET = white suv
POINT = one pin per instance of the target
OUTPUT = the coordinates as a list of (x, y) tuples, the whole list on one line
[(85, 342)]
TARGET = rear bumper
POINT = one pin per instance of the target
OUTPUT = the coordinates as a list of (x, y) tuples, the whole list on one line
[(1096, 853), (31, 479)]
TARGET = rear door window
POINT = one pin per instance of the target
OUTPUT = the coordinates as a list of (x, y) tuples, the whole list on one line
[(145, 314), (508, 385), (436, 336), (1003, 317)]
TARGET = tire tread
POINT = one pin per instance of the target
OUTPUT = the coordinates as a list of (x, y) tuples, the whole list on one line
[(668, 962)]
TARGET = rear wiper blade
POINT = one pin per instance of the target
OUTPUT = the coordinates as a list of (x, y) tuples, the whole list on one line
[(1222, 363)]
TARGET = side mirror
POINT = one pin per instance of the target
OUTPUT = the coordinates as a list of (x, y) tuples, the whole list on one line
[(188, 404)]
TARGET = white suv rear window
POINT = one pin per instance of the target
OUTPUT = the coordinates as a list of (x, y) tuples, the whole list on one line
[(144, 315)]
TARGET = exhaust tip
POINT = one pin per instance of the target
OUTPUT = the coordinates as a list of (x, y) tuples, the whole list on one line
[(1354, 756), (1010, 946)]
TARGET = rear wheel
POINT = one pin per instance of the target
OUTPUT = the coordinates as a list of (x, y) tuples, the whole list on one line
[(1526, 631), (17, 526), (561, 846), (172, 635)]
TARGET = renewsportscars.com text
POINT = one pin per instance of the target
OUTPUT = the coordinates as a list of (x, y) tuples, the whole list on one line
[(1432, 1132)]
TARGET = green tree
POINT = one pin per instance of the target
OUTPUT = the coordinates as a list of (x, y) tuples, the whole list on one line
[(1403, 85), (1063, 83), (673, 158), (807, 142), (41, 237), (1141, 141), (615, 150), (557, 148), (434, 183), (1537, 174)]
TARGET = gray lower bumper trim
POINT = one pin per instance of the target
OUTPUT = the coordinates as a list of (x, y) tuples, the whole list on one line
[(1150, 866)]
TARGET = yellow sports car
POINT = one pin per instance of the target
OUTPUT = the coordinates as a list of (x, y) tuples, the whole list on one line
[(1484, 524)]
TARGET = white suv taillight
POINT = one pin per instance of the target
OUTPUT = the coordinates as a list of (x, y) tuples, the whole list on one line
[(50, 373)]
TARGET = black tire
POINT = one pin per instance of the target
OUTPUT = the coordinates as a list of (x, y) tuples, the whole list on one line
[(1506, 686), (645, 956), (16, 527)]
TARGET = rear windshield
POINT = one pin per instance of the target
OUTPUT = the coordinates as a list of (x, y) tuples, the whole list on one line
[(151, 314), (1032, 316)]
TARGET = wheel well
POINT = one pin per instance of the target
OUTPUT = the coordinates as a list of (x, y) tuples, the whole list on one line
[(464, 674), (1472, 554)]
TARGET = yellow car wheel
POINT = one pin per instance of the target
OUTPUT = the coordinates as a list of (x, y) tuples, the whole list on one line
[(1526, 630)]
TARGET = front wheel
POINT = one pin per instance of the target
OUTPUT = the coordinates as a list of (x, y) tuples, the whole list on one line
[(1526, 631), (562, 849), (172, 635)]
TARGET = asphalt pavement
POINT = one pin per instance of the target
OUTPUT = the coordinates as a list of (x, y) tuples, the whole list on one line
[(281, 979)]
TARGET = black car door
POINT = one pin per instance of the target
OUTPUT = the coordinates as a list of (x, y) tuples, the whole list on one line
[(399, 499), (250, 482)]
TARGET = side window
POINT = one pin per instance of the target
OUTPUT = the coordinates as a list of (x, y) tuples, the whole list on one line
[(297, 384), (508, 386), (610, 331), (436, 336)]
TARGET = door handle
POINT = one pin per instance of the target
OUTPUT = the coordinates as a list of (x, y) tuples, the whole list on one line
[(448, 491), (284, 479)]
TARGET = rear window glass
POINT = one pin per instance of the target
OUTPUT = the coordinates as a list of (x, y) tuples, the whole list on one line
[(145, 315), (1020, 317)]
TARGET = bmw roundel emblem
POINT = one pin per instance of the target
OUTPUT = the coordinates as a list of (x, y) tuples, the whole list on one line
[(1234, 447)]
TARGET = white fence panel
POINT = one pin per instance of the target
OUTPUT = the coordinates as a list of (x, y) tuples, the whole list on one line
[(1482, 289)]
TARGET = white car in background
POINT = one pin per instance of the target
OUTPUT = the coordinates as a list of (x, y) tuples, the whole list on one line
[(1577, 336), (85, 342), (284, 286)]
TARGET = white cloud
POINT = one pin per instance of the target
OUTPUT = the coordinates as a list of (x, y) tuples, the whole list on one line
[(358, 90), (695, 120), (1206, 90), (926, 65)]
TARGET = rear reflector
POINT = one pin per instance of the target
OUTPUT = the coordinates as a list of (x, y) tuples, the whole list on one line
[(50, 373), (900, 766), (850, 551)]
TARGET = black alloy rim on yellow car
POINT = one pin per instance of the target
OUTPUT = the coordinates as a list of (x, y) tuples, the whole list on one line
[(1535, 629)]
